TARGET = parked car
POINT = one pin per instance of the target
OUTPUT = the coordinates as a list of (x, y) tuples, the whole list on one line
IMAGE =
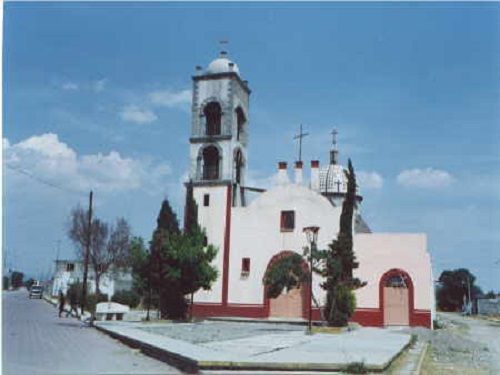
[(36, 291)]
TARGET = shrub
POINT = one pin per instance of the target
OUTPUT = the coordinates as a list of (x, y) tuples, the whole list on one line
[(357, 368), (93, 300), (126, 297)]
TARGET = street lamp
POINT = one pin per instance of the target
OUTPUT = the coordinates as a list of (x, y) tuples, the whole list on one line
[(312, 237)]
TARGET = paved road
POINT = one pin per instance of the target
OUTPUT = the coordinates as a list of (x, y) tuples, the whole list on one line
[(35, 341)]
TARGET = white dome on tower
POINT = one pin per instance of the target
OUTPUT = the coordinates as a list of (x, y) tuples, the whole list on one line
[(222, 65)]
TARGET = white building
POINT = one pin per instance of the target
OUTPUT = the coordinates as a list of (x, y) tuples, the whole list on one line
[(71, 271), (250, 236)]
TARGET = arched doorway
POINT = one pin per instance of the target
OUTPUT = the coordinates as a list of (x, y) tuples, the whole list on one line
[(210, 163), (396, 298), (292, 303)]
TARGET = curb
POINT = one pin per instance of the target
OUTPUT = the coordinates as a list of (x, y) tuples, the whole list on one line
[(193, 366), (418, 370), (183, 363)]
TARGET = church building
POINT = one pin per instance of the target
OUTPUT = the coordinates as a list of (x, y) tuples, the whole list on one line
[(252, 235)]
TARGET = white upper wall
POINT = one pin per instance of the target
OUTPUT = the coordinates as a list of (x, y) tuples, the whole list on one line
[(256, 234)]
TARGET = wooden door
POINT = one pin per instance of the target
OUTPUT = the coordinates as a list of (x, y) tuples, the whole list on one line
[(396, 306), (287, 305)]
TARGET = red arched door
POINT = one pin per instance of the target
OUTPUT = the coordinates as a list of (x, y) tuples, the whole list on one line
[(397, 298)]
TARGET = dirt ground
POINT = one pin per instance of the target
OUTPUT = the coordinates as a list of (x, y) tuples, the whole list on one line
[(463, 345)]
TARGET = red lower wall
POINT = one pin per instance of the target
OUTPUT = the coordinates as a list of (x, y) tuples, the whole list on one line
[(365, 317)]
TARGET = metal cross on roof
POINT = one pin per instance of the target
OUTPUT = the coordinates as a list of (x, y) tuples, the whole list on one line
[(334, 137), (299, 137)]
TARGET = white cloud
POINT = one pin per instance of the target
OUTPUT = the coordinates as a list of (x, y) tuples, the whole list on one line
[(135, 114), (428, 178), (48, 159), (167, 98), (99, 85), (69, 86), (369, 180)]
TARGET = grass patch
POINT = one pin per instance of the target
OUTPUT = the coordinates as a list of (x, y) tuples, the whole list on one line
[(329, 330)]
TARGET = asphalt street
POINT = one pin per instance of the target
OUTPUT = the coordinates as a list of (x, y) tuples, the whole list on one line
[(35, 341)]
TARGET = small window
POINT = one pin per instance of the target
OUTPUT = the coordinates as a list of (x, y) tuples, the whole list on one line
[(206, 200), (245, 266), (287, 221), (70, 267)]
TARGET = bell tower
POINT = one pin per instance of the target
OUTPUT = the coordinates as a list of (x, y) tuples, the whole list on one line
[(218, 159), (219, 129)]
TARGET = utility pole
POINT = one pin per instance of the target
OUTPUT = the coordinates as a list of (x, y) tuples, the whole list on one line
[(87, 253)]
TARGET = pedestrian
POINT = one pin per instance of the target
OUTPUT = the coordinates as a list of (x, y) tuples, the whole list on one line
[(61, 302), (73, 302)]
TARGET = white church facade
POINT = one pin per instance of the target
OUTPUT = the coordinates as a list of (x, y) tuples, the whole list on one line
[(252, 235)]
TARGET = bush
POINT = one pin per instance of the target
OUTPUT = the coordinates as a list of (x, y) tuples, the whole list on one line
[(344, 303), (93, 300), (127, 297), (356, 368)]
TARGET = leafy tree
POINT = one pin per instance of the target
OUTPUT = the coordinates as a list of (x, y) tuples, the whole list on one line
[(453, 288), (139, 261), (16, 279), (109, 244), (285, 273)]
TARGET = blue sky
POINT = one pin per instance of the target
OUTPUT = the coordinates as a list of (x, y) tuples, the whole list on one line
[(96, 95)]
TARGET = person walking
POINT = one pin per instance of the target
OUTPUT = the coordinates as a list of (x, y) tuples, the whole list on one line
[(73, 302), (62, 301)]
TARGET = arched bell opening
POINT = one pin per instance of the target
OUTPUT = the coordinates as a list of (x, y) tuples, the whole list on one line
[(213, 117), (211, 163), (240, 123)]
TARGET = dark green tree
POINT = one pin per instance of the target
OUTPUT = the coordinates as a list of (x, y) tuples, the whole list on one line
[(139, 261), (340, 261), (190, 210), (16, 279), (29, 283), (454, 287), (181, 262)]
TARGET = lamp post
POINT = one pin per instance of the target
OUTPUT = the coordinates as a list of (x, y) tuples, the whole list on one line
[(312, 237)]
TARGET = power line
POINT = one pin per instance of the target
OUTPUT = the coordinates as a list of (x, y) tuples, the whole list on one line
[(42, 181)]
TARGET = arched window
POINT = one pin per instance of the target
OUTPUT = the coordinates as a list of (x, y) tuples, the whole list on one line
[(395, 281), (240, 121), (211, 163), (238, 165), (213, 115)]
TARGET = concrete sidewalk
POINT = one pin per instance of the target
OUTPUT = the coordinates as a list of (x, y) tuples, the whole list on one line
[(374, 348)]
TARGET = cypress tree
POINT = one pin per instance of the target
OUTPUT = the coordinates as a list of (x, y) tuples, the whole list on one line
[(190, 210)]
